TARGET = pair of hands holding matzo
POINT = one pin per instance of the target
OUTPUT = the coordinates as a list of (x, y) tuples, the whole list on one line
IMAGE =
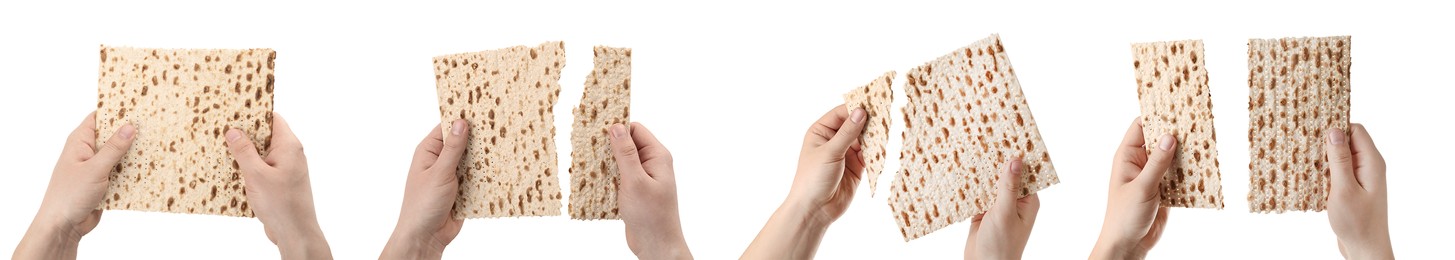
[(278, 191), (648, 197)]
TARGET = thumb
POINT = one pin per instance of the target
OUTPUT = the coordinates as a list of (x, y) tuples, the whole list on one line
[(1008, 188), (111, 152), (848, 132), (628, 159), (243, 150), (1157, 163), (455, 146), (1340, 159)]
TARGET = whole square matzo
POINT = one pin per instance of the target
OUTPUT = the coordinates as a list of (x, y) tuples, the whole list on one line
[(1297, 87), (1173, 92), (606, 101), (965, 116), (507, 95), (182, 102)]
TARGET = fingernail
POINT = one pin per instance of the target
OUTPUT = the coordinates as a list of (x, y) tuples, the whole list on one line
[(126, 131), (1016, 167), (618, 131), (1336, 136), (857, 115), (1167, 142), (233, 135), (459, 128)]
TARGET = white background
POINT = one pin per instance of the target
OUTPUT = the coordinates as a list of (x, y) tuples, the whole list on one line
[(730, 89)]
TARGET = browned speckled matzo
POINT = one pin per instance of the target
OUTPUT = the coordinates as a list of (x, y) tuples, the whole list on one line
[(182, 102), (1297, 87), (965, 115), (1173, 92), (606, 101), (875, 99), (507, 95)]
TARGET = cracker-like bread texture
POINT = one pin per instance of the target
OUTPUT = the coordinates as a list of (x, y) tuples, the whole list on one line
[(1297, 88), (1175, 99), (965, 116), (507, 96), (606, 101), (875, 98), (182, 103)]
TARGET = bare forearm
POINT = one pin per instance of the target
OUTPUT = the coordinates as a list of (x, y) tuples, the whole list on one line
[(47, 241), (792, 232), (307, 243)]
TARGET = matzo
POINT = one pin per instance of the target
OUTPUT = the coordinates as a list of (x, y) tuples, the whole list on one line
[(1173, 92), (875, 99), (507, 95), (606, 101), (965, 116), (1297, 87), (182, 102)]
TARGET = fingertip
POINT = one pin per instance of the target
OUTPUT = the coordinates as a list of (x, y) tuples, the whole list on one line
[(460, 127), (858, 115), (233, 135), (127, 131), (618, 131), (1166, 142), (1337, 136)]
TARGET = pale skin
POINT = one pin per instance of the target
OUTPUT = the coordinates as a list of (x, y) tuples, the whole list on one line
[(829, 170), (647, 197), (1002, 231), (1358, 204), (1357, 207), (1135, 216), (277, 188)]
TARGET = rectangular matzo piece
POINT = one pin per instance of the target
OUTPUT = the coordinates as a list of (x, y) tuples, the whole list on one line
[(1173, 92), (875, 99), (965, 116), (1297, 87), (606, 101), (182, 102), (507, 95)]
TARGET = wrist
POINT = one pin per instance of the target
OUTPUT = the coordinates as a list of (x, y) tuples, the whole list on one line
[(1112, 248), (677, 250), (1377, 249), (408, 245), (806, 214), (48, 238), (311, 245)]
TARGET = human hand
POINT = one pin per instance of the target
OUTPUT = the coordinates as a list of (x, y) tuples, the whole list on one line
[(78, 184), (426, 221), (1002, 231), (648, 194), (1358, 204), (279, 192), (829, 166), (829, 169), (1135, 217)]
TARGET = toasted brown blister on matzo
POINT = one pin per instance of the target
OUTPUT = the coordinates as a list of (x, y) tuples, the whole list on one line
[(606, 101), (1173, 92), (507, 96), (875, 99), (182, 103), (965, 116), (1297, 87)]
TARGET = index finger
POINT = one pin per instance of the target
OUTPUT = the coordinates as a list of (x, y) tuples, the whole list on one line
[(82, 141), (429, 149), (826, 126), (652, 152)]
